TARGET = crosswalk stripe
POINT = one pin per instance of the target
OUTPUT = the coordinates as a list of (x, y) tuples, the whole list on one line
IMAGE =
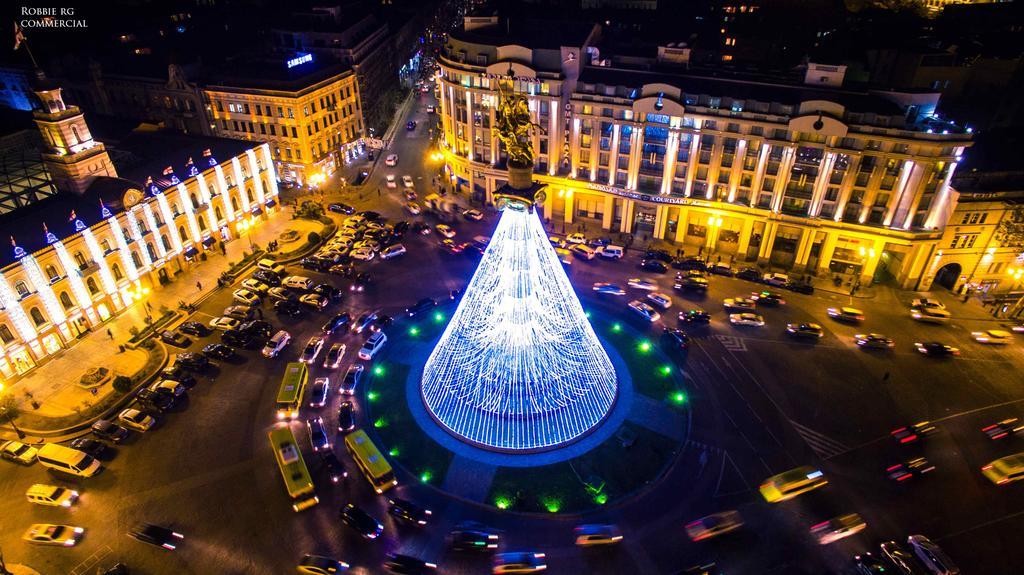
[(732, 343), (823, 445)]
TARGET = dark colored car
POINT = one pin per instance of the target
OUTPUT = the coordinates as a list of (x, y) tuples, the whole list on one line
[(399, 229), (219, 351), (408, 511), (422, 229), (677, 338), (691, 283), (407, 565), (268, 277), (474, 539), (913, 433), (695, 315), (340, 321), (289, 308), (106, 429), (328, 291), (371, 216), (259, 329), (340, 208), (424, 305), (343, 270), (179, 373), (117, 569), (315, 264), (361, 522), (193, 361), (154, 400), (868, 564), (806, 330), (359, 282), (909, 469), (358, 182), (660, 255), (156, 535), (318, 434), (901, 559), (799, 287), (690, 264), (749, 274), (174, 338), (410, 125), (655, 266), (194, 328), (381, 321), (333, 466), (768, 298), (346, 417), (936, 349), (365, 323), (88, 445), (237, 338)]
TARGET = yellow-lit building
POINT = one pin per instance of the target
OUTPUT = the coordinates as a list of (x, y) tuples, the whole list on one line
[(106, 239), (810, 177), (306, 110)]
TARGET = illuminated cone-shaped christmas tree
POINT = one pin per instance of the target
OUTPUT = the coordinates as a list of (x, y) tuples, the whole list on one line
[(519, 367)]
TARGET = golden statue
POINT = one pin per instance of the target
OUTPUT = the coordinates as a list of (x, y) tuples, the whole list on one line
[(513, 125)]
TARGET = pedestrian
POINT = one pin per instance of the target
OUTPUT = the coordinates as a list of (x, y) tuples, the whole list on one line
[(223, 249), (149, 307), (700, 251), (886, 376), (110, 334), (679, 253), (378, 192), (199, 286), (719, 258), (259, 312)]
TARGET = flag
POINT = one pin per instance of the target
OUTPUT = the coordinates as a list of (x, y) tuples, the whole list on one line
[(73, 216), (168, 171), (19, 36)]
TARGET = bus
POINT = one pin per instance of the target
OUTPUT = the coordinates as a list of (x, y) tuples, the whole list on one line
[(293, 386), (293, 468), (368, 458)]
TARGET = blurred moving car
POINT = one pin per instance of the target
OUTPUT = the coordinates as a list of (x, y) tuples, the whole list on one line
[(643, 310), (1005, 469), (837, 528), (1005, 428), (932, 556), (792, 483), (595, 534), (873, 341), (714, 525), (936, 349), (50, 534), (156, 535), (320, 565), (914, 432), (518, 562), (746, 319), (909, 469)]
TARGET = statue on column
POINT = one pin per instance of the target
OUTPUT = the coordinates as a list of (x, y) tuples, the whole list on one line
[(514, 127)]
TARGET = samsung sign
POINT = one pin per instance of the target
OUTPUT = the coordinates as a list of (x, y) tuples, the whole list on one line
[(299, 60)]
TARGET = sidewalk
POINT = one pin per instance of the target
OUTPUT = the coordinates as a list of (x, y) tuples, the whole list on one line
[(55, 384)]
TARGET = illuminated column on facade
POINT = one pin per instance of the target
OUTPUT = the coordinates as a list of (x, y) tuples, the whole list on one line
[(902, 188), (635, 153), (77, 286), (762, 166), (671, 153), (222, 185), (613, 163), (122, 245), (691, 165), (553, 116), (494, 133), (574, 149), (785, 169), (236, 168), (106, 278), (268, 161), (190, 213), (147, 212), (165, 209), (12, 306), (821, 182), (469, 125), (54, 310), (737, 168), (939, 205), (204, 193), (136, 233), (257, 181)]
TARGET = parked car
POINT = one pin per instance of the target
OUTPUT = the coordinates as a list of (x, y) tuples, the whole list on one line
[(407, 181), (340, 208), (154, 400), (749, 274), (361, 522), (18, 452), (340, 321), (372, 345), (288, 307), (240, 312), (392, 251), (654, 266), (276, 343), (136, 419), (237, 338), (108, 430), (775, 279), (658, 255), (189, 360), (174, 338), (246, 297), (932, 556), (224, 323), (219, 351), (194, 328), (334, 355), (695, 315)]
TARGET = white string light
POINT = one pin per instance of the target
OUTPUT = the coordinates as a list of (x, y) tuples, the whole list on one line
[(519, 366)]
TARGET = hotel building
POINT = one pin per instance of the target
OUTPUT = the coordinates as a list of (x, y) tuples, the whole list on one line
[(810, 177)]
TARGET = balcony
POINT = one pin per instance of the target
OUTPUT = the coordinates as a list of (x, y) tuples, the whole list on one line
[(88, 268)]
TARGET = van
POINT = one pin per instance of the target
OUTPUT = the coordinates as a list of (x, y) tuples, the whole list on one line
[(51, 495), (298, 282), (611, 252), (271, 266), (67, 460), (792, 483), (372, 346)]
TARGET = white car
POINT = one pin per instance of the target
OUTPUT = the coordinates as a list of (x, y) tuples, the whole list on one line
[(169, 386), (224, 323), (775, 279), (475, 215), (640, 283), (927, 302), (362, 254), (255, 285), (334, 355), (929, 314), (645, 311), (739, 303), (748, 319), (576, 239), (314, 300), (277, 343), (992, 336), (413, 208), (312, 349), (136, 419), (390, 181), (372, 346), (392, 251), (245, 297), (607, 288), (371, 244), (445, 230), (660, 300), (407, 181), (391, 160)]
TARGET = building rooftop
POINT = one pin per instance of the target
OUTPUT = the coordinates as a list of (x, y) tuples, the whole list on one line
[(286, 73), (147, 154), (534, 34)]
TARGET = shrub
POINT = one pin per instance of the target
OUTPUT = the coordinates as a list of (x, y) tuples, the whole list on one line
[(122, 384), (134, 331), (313, 238)]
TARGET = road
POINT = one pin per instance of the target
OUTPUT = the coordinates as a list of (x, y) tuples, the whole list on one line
[(771, 403)]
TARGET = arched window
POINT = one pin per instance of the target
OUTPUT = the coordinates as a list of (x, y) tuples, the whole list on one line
[(165, 241), (91, 284), (105, 244), (181, 233), (158, 218), (136, 259), (202, 223), (151, 250), (74, 133), (218, 213), (37, 316), (65, 300), (234, 203), (22, 288), (248, 192), (80, 259), (116, 270), (176, 209), (192, 196), (5, 334), (51, 272)]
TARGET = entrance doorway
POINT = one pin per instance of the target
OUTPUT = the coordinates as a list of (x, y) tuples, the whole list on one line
[(948, 275)]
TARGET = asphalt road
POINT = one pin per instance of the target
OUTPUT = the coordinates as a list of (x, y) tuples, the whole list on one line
[(768, 403)]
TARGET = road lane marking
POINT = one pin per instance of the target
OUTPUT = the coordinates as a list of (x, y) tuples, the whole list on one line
[(824, 446), (732, 343), (87, 566)]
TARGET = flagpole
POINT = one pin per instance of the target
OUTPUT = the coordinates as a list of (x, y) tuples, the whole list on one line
[(20, 40)]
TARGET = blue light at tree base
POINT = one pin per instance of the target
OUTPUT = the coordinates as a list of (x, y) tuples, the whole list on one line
[(519, 367)]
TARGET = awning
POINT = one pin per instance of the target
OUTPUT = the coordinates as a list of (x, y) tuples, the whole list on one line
[(271, 203), (256, 210), (190, 252), (209, 241)]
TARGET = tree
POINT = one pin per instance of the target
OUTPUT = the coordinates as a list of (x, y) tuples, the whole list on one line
[(310, 210), (313, 238), (1010, 233), (8, 408), (122, 384)]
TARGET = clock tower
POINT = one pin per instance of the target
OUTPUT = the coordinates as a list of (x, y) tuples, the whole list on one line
[(73, 158)]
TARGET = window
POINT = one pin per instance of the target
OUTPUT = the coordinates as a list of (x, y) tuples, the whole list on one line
[(91, 284), (116, 270), (37, 316), (5, 334), (65, 300), (51, 272), (22, 289)]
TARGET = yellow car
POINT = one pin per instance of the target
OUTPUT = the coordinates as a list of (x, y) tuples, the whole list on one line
[(49, 534), (1005, 469), (788, 485)]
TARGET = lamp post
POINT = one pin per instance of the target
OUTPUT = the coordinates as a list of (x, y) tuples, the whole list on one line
[(714, 223), (866, 255)]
